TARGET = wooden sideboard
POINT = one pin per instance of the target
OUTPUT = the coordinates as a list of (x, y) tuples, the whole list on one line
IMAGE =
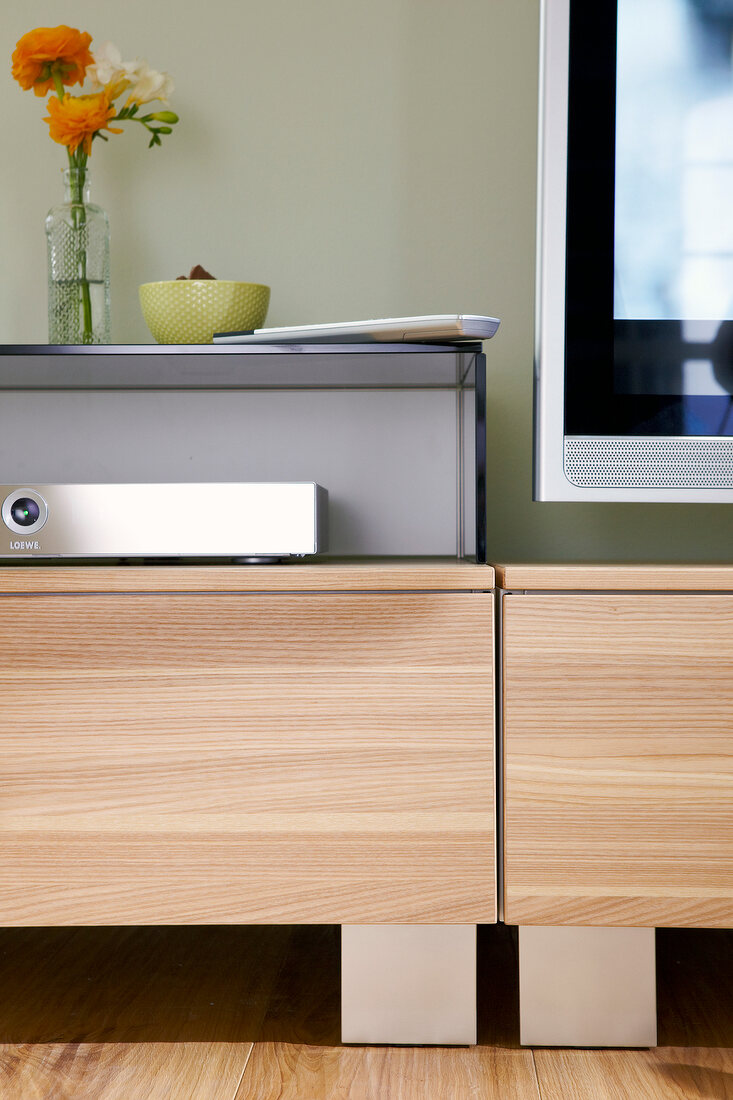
[(618, 745), (315, 743), (244, 744)]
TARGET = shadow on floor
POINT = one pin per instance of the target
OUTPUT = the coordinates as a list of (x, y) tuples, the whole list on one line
[(282, 984)]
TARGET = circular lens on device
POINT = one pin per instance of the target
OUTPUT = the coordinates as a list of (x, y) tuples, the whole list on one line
[(24, 511)]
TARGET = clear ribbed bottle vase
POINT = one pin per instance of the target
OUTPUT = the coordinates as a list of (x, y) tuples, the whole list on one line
[(77, 236)]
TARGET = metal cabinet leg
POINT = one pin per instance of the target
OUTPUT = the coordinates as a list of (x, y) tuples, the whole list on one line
[(408, 983), (587, 987)]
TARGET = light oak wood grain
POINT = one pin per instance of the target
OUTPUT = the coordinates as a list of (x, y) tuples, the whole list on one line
[(660, 1074), (618, 759), (411, 574), (672, 578), (237, 758)]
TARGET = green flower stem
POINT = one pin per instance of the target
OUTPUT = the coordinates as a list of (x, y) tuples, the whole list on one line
[(77, 164), (80, 220), (129, 114)]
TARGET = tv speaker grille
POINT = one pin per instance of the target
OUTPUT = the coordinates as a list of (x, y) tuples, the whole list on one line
[(662, 463)]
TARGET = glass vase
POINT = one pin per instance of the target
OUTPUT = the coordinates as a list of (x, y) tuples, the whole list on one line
[(77, 235)]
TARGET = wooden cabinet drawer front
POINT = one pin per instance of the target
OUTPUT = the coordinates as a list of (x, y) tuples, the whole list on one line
[(246, 758), (619, 759)]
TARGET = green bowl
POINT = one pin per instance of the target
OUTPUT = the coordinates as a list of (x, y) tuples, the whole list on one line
[(190, 311)]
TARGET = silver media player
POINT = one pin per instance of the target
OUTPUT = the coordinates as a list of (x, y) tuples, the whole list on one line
[(221, 519)]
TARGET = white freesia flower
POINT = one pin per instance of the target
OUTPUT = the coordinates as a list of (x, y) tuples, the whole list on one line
[(109, 68), (111, 72), (147, 84)]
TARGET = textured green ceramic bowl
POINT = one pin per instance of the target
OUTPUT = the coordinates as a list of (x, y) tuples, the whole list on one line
[(190, 311)]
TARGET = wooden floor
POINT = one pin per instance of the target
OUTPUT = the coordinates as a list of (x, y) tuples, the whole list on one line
[(240, 1013)]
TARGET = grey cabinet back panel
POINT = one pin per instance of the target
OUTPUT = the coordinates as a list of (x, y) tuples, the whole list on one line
[(389, 459)]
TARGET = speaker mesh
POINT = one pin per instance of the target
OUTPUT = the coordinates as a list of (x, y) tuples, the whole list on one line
[(666, 463)]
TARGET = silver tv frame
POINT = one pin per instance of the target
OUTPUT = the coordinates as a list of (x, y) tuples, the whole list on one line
[(614, 468)]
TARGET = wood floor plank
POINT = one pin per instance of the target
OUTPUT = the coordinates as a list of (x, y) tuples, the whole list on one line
[(299, 1053), (695, 987), (118, 985), (695, 1019), (122, 1013), (665, 1073), (498, 985), (173, 1014), (286, 1071), (305, 1003), (122, 1071)]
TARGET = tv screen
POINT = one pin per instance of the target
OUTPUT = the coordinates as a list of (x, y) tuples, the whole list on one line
[(635, 328)]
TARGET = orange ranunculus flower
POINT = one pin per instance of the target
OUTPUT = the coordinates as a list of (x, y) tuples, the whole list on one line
[(76, 119), (46, 50)]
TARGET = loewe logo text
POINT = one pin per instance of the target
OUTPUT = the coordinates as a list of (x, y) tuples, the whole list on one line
[(17, 544)]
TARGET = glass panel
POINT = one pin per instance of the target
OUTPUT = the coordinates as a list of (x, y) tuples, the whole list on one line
[(228, 367)]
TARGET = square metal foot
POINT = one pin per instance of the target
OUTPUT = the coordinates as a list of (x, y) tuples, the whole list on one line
[(408, 983), (587, 987)]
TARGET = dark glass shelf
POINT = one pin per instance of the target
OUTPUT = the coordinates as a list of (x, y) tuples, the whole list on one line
[(238, 366)]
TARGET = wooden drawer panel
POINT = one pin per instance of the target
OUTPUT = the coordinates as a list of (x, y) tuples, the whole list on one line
[(246, 758), (619, 759)]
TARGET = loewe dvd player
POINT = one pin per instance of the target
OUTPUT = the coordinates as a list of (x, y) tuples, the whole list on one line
[(249, 520)]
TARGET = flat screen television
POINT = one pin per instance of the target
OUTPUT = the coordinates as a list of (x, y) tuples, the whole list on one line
[(634, 337)]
